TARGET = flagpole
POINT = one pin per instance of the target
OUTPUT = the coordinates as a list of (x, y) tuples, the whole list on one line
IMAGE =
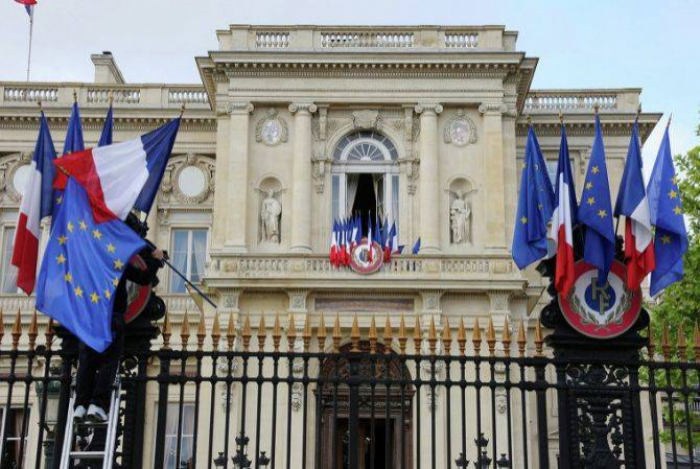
[(31, 35)]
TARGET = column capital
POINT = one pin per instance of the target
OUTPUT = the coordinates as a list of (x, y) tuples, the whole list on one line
[(493, 109), (240, 107), (303, 108), (428, 108)]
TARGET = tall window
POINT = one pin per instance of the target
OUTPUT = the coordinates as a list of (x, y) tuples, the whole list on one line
[(8, 273), (13, 435), (189, 249), (186, 437)]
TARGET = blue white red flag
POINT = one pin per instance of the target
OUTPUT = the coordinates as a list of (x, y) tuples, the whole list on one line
[(334, 244), (632, 202), (666, 209), (83, 263), (28, 5), (595, 211), (37, 203), (125, 175), (107, 129), (563, 219), (416, 247)]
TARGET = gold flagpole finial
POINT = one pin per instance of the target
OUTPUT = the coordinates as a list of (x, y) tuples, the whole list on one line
[(41, 107), (75, 96), (111, 97), (596, 107), (670, 118), (561, 117), (529, 120), (182, 110), (639, 111)]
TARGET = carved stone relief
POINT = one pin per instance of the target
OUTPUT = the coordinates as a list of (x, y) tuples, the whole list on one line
[(271, 129), (460, 130), (460, 210), (366, 120), (14, 171), (188, 180), (270, 193)]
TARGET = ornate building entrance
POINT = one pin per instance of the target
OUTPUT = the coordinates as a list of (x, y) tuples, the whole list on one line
[(384, 428)]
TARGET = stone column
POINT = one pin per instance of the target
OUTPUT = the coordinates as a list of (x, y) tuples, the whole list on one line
[(494, 176), (237, 183), (429, 181), (301, 177)]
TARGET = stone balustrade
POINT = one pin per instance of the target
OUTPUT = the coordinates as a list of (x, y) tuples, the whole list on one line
[(139, 96), (547, 101)]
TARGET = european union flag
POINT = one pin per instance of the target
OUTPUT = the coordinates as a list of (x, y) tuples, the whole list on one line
[(82, 266), (666, 210), (595, 211), (535, 205)]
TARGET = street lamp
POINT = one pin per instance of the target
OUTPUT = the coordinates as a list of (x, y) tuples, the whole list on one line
[(462, 461), (263, 460), (503, 461)]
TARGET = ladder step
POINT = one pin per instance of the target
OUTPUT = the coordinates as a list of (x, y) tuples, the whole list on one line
[(87, 454)]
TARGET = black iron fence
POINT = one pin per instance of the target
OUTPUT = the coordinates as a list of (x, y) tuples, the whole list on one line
[(402, 397)]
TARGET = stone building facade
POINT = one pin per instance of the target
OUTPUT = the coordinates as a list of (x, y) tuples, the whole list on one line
[(294, 126)]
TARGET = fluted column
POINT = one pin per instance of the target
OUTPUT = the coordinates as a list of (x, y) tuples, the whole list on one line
[(429, 178), (301, 177), (494, 176), (237, 182)]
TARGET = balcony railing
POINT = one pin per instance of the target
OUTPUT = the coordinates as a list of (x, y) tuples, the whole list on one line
[(624, 100)]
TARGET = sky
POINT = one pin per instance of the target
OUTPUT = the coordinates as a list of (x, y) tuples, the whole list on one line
[(581, 44)]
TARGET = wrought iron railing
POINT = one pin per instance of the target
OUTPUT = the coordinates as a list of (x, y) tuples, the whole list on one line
[(310, 396)]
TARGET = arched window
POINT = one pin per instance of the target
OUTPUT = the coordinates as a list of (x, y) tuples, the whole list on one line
[(365, 177)]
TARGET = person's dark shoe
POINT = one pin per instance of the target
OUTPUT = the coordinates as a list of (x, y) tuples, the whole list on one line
[(96, 414)]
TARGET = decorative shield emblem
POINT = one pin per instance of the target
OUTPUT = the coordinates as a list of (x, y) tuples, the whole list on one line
[(137, 295), (362, 262), (601, 311)]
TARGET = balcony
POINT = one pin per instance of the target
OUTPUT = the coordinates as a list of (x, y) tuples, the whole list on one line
[(624, 100)]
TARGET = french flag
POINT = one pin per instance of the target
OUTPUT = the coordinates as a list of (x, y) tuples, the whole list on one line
[(334, 245), (37, 203), (563, 219), (632, 202), (125, 175)]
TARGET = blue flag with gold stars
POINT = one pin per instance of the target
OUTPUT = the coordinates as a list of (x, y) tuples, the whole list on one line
[(666, 210), (83, 263), (595, 210)]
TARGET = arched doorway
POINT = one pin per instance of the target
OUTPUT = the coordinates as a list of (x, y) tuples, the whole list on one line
[(385, 425)]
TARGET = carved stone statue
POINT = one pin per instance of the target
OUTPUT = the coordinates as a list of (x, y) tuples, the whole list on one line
[(270, 214), (460, 218)]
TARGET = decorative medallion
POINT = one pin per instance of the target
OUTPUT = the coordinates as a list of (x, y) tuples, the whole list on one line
[(460, 130), (601, 312), (365, 262), (271, 130)]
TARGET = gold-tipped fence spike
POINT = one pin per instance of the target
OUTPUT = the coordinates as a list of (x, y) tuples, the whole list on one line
[(462, 337), (506, 337), (355, 335), (16, 330), (403, 338), (388, 335), (681, 344), (522, 339), (33, 331), (306, 335), (491, 337), (277, 333), (539, 340), (201, 331), (231, 331), (215, 332), (49, 334), (262, 332), (185, 331), (337, 334), (167, 331), (666, 342), (373, 336), (321, 334), (291, 333), (696, 343), (447, 337), (417, 336), (432, 336), (476, 337), (247, 333), (651, 345)]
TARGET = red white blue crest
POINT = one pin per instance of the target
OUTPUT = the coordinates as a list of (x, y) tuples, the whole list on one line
[(365, 262)]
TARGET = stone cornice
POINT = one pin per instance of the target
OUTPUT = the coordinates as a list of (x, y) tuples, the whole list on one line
[(583, 124), (145, 123)]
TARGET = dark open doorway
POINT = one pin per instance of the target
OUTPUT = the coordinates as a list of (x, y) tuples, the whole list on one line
[(365, 203)]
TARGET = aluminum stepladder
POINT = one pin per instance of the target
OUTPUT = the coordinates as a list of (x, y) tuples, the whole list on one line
[(107, 454)]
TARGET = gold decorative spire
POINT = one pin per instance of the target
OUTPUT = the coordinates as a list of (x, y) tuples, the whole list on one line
[(666, 342), (476, 337), (16, 331), (185, 331), (167, 331), (355, 335), (403, 338), (539, 340), (432, 336), (291, 333), (522, 339), (277, 333), (247, 333), (447, 337), (651, 346), (262, 332), (49, 334), (321, 334), (505, 337), (33, 331), (306, 335), (373, 336), (201, 331), (388, 335), (231, 331), (417, 336), (337, 334), (491, 337), (462, 337), (215, 332), (681, 344)]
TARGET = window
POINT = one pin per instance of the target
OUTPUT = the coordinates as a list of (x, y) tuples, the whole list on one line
[(186, 437), (8, 275), (11, 455), (189, 247)]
